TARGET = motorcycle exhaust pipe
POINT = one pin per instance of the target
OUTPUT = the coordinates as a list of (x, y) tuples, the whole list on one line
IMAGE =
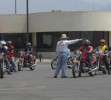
[(93, 70)]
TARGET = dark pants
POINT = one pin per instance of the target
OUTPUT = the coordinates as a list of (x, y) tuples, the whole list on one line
[(8, 69), (105, 61)]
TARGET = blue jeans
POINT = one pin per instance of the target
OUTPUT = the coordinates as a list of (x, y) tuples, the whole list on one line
[(61, 64), (13, 66)]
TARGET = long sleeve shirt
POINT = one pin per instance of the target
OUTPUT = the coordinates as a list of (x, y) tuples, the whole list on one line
[(62, 45), (103, 49), (86, 52)]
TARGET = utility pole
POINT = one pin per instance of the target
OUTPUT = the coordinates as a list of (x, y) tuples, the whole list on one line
[(15, 7), (27, 16), (27, 12)]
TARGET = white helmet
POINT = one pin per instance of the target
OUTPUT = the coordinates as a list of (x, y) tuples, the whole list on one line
[(9, 42), (28, 44), (3, 42), (6, 47)]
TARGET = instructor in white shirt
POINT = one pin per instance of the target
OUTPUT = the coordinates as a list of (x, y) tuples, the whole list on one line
[(63, 53)]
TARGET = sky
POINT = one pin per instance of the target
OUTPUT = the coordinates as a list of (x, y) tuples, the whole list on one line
[(8, 6)]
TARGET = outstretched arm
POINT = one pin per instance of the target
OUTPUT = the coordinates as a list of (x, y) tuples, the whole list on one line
[(73, 41)]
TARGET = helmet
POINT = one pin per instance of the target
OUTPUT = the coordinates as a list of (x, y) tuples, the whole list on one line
[(3, 42), (9, 42), (86, 42), (28, 44), (102, 41), (6, 47)]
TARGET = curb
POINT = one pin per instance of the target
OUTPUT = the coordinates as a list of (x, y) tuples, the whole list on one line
[(44, 61)]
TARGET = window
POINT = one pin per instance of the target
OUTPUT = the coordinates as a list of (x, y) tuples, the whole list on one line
[(45, 41)]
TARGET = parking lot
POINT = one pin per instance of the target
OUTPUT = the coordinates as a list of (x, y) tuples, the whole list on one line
[(40, 85)]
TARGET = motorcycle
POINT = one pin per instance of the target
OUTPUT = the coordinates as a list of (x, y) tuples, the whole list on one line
[(26, 61), (83, 66), (76, 64), (101, 65)]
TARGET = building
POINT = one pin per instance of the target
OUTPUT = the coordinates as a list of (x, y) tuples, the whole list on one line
[(45, 28)]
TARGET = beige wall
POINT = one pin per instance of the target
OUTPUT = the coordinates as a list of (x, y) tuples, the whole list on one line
[(56, 21), (12, 23), (70, 21)]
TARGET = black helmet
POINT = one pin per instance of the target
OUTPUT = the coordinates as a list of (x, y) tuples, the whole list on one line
[(86, 42)]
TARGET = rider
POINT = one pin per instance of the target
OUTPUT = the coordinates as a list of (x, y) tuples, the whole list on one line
[(28, 51), (3, 46), (3, 51), (87, 52), (103, 49), (11, 55)]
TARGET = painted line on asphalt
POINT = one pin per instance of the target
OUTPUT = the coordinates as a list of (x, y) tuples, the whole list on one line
[(22, 88)]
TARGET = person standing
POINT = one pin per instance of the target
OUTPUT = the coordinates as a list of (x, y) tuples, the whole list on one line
[(40, 57), (63, 53)]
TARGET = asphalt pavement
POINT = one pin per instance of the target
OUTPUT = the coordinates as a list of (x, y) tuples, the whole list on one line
[(40, 85)]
